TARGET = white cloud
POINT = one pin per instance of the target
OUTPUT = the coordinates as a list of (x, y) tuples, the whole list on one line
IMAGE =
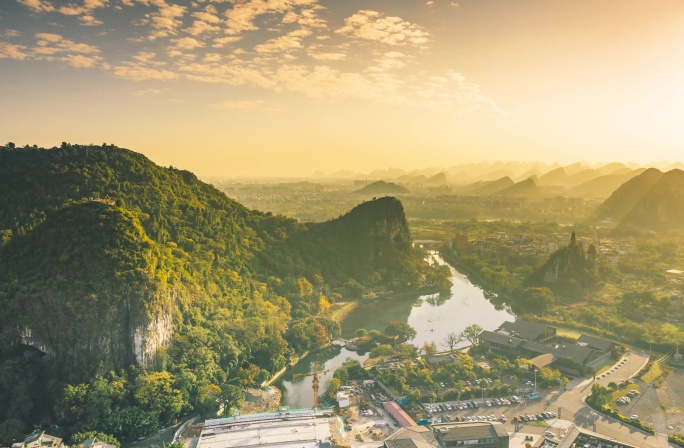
[(288, 42), (212, 57), (38, 5), (81, 61), (166, 20), (51, 47), (12, 33), (89, 20), (223, 41), (208, 15), (84, 11), (186, 44), (147, 57), (241, 16), (375, 26), (48, 37), (11, 51), (199, 27), (327, 56), (139, 72)]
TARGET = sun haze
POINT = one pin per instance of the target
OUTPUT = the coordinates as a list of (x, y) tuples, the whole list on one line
[(286, 87)]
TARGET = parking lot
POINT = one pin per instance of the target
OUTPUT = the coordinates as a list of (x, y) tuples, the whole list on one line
[(506, 410)]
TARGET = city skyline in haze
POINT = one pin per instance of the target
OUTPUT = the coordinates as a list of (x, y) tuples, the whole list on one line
[(289, 87)]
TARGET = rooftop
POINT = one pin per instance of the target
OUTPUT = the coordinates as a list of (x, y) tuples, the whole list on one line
[(530, 331), (470, 431), (301, 429)]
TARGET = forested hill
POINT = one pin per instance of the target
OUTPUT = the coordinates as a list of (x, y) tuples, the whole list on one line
[(649, 202), (108, 261)]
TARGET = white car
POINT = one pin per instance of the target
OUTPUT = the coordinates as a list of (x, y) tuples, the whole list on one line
[(634, 417)]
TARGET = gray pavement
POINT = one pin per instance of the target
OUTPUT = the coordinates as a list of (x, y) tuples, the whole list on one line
[(570, 406)]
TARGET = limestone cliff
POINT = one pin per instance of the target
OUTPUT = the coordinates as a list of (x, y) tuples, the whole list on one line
[(87, 287)]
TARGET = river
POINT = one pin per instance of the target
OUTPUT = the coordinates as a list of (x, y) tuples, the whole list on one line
[(432, 316)]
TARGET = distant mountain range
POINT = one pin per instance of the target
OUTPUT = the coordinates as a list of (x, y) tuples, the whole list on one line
[(382, 187), (574, 180)]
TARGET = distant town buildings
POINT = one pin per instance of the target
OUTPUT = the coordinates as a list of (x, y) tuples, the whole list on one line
[(501, 245)]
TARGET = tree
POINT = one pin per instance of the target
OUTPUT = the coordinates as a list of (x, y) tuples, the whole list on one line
[(471, 333), (401, 331), (361, 333), (155, 391), (332, 385), (429, 348), (451, 340), (381, 350), (230, 398), (81, 437), (536, 300), (11, 430)]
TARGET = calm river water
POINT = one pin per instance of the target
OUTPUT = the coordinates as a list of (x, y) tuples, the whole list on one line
[(433, 317)]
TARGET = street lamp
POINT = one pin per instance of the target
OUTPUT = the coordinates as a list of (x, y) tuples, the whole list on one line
[(535, 382)]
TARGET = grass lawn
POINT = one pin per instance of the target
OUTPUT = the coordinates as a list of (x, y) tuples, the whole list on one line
[(568, 334), (621, 393), (653, 374)]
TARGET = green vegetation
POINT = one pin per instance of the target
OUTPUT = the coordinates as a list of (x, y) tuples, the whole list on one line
[(463, 378), (599, 399), (577, 288), (133, 294), (79, 438), (676, 439)]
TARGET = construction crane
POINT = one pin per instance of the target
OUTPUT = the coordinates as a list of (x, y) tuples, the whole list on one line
[(314, 374)]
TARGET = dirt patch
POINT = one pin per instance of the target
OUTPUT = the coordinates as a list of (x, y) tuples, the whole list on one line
[(258, 400)]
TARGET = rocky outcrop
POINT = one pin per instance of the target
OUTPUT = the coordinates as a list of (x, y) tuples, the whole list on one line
[(570, 264), (82, 288)]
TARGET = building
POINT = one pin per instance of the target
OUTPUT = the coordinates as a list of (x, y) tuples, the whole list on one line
[(414, 437), (288, 429), (461, 242), (581, 438), (343, 399), (533, 340), (441, 358), (94, 443), (529, 331), (38, 439), (398, 414), (471, 434), (454, 434)]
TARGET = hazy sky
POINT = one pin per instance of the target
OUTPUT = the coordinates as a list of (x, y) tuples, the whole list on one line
[(291, 86)]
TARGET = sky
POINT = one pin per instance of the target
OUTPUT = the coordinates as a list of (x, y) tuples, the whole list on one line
[(288, 87)]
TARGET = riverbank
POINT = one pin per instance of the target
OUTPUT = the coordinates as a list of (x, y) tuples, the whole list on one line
[(478, 280), (339, 314), (432, 313)]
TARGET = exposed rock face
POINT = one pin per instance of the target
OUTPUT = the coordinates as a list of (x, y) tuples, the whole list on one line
[(147, 339), (111, 312)]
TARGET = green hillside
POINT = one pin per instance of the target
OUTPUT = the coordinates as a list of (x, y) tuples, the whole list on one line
[(134, 293)]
